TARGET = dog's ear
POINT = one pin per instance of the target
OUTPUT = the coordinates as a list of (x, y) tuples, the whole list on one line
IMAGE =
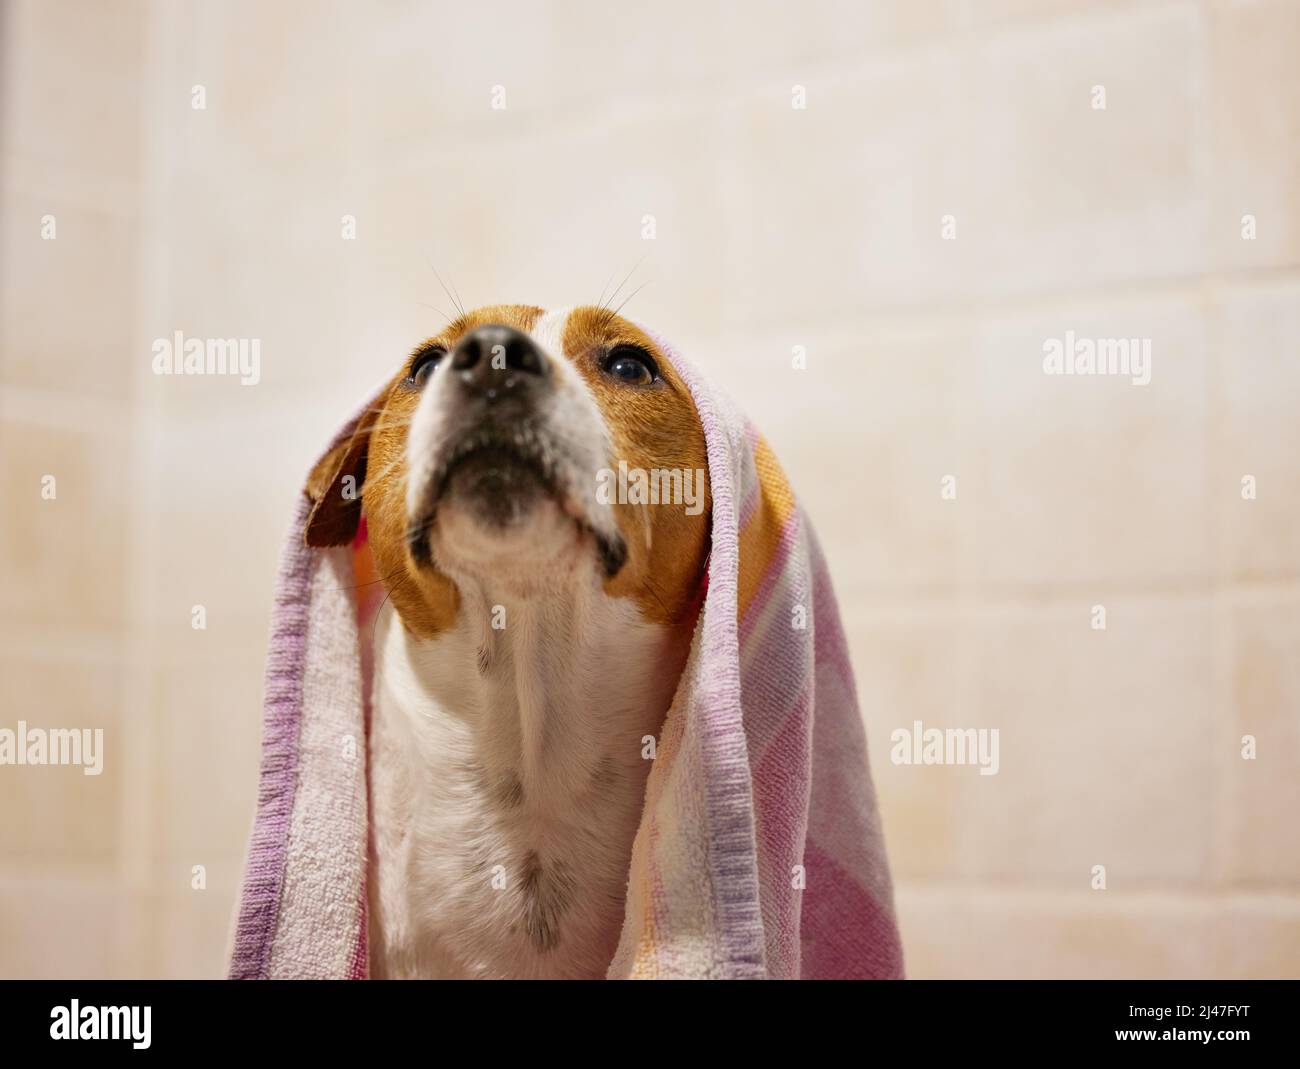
[(334, 489)]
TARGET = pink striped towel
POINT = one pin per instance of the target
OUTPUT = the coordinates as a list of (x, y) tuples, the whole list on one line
[(759, 852)]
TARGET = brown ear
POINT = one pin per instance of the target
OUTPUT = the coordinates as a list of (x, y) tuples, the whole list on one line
[(334, 488)]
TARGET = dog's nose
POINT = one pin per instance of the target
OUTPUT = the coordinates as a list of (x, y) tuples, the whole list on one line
[(493, 360)]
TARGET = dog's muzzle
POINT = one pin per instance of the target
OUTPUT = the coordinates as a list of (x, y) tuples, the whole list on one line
[(499, 456)]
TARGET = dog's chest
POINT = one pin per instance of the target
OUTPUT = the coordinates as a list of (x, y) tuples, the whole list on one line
[(502, 834), (498, 886)]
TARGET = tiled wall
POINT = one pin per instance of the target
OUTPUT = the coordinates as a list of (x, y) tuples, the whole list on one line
[(775, 227)]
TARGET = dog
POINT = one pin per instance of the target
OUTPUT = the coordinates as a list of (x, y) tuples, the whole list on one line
[(539, 631)]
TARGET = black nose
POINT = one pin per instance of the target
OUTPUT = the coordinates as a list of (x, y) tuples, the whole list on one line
[(493, 360)]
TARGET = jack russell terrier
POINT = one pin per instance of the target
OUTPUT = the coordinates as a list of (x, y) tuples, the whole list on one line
[(539, 633)]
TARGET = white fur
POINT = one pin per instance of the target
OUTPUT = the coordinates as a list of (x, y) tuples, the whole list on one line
[(570, 411), (473, 876)]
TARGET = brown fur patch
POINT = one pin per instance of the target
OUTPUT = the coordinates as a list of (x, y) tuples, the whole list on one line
[(426, 599), (651, 427)]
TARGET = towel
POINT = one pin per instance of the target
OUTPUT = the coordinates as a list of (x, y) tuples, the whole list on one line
[(759, 852)]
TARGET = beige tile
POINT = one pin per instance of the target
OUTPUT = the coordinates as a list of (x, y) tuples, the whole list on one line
[(68, 550), (866, 433), (1257, 433), (221, 493), (768, 37), (57, 930), (426, 77), (1259, 938), (1065, 195), (980, 13), (908, 668), (960, 933), (625, 58), (58, 819), (1261, 836), (74, 86), (276, 270), (500, 228), (1105, 745), (1254, 111), (68, 304), (195, 929), (836, 209), (1084, 479), (208, 711), (278, 90)]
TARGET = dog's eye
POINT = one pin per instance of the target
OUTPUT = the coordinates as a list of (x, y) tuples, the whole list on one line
[(424, 363), (629, 364)]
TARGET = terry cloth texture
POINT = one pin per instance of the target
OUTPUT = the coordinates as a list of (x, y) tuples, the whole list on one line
[(759, 852)]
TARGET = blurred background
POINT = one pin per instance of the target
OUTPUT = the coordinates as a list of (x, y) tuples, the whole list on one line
[(529, 152)]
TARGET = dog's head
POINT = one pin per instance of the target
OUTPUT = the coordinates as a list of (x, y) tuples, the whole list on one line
[(520, 449)]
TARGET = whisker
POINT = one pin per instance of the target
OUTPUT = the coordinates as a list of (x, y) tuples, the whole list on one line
[(454, 300), (381, 476), (620, 286), (374, 628), (459, 304), (426, 304), (401, 459), (389, 424), (620, 308), (372, 582), (600, 303)]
